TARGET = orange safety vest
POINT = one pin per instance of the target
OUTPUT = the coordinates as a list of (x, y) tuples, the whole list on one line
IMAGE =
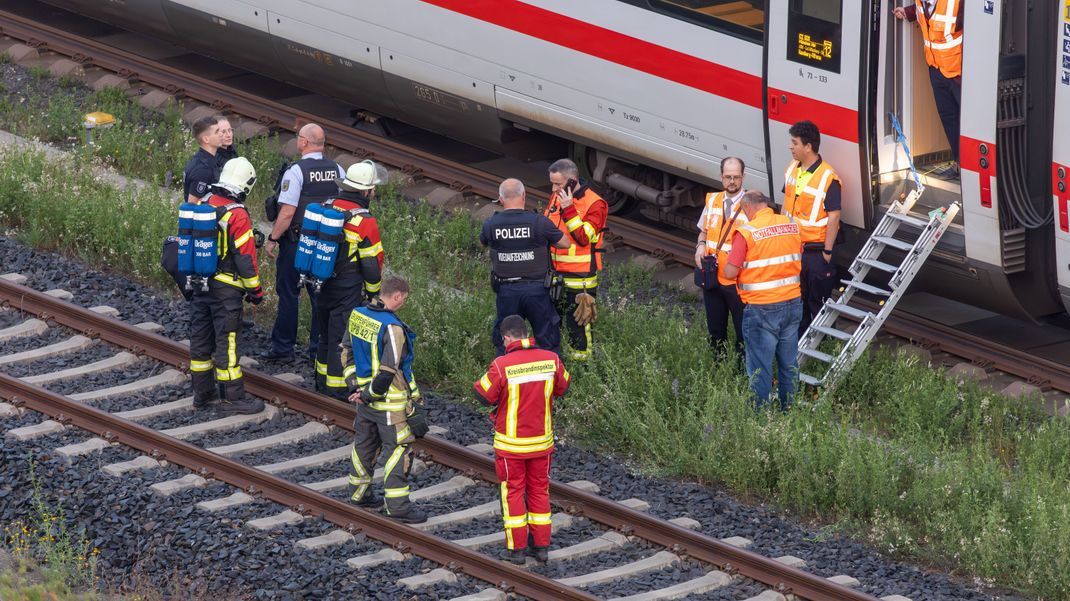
[(807, 208), (770, 273), (715, 224), (942, 34), (576, 259)]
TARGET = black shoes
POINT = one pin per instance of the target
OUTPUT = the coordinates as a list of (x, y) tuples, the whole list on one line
[(541, 554), (277, 356), (370, 501), (412, 516), (514, 556), (246, 406), (205, 404)]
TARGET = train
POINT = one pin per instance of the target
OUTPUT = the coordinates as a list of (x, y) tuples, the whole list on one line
[(650, 95)]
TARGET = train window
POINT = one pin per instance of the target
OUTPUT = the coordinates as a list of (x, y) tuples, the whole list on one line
[(743, 17), (814, 33)]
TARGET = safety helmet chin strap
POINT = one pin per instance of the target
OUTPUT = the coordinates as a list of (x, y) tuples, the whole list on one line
[(235, 191)]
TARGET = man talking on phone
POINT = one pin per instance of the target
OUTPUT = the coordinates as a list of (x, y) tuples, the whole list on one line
[(580, 213)]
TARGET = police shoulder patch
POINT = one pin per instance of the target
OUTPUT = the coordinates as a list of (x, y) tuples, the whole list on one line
[(285, 185), (201, 188)]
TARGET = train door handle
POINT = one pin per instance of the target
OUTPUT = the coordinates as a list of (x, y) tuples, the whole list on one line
[(774, 104)]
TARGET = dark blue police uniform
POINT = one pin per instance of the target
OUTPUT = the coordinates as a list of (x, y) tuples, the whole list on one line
[(519, 242), (201, 171)]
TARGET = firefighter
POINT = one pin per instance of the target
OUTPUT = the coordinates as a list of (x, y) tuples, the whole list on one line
[(357, 273), (389, 417), (581, 214), (216, 314), (766, 263), (521, 386), (311, 179), (720, 218), (941, 32), (203, 168), (520, 263), (812, 192)]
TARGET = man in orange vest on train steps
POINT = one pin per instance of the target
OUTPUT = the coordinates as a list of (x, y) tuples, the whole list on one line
[(521, 386), (940, 22), (766, 263), (581, 214), (812, 193)]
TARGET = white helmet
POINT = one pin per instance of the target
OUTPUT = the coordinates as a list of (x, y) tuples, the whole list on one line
[(361, 176), (238, 176)]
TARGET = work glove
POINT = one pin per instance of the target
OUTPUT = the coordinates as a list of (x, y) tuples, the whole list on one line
[(417, 420), (586, 311), (254, 296)]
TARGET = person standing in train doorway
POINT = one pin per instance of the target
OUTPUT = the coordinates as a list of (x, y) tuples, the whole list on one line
[(812, 194), (940, 22)]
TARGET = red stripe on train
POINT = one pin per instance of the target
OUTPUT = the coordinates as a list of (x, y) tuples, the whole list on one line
[(653, 59)]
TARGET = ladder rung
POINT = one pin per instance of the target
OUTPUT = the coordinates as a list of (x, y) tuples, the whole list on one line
[(808, 379), (907, 219), (832, 332), (889, 241), (827, 358), (881, 265), (864, 287), (847, 310)]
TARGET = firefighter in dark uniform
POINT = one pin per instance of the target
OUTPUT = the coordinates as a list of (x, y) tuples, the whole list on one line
[(519, 242), (388, 420), (309, 180), (226, 149), (357, 273), (581, 214), (216, 314), (203, 168)]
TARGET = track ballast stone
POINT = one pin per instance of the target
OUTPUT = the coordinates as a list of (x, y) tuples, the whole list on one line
[(81, 489)]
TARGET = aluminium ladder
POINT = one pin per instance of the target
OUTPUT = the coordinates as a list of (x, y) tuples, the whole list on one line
[(883, 237)]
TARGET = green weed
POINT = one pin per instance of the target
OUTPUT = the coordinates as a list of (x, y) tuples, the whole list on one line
[(39, 72)]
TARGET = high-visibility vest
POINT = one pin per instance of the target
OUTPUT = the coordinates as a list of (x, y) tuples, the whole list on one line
[(716, 222), (942, 35), (807, 209), (367, 331), (770, 273), (575, 258)]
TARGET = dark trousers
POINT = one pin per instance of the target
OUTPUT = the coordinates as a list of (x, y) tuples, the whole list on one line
[(335, 302), (284, 334), (530, 300), (721, 303), (818, 280), (580, 338), (948, 95), (388, 433), (214, 324)]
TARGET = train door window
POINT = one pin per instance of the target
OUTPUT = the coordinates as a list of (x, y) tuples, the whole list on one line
[(814, 28), (746, 17)]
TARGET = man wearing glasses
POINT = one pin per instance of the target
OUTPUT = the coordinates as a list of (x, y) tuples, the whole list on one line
[(309, 180)]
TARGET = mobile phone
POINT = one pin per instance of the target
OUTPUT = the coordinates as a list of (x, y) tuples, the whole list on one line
[(571, 185)]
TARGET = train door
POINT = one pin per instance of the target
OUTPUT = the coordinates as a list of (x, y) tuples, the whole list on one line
[(1060, 166), (816, 68)]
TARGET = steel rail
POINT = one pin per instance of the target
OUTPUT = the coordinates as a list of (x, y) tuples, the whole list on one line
[(290, 494), (332, 412)]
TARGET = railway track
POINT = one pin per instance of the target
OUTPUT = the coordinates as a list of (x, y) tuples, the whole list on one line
[(1044, 374), (671, 542)]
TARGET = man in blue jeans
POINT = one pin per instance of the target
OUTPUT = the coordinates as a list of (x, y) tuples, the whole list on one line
[(766, 262)]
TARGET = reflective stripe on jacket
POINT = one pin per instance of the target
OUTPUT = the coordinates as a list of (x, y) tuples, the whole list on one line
[(522, 384), (807, 209), (942, 36), (369, 332), (770, 273), (716, 221), (576, 259), (236, 244)]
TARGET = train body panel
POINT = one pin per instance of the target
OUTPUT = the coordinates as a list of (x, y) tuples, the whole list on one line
[(1060, 167), (661, 87)]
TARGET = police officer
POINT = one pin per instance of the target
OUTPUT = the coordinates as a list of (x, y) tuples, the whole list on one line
[(215, 314), (387, 419), (581, 214), (519, 243), (310, 179), (203, 168), (226, 142), (357, 273)]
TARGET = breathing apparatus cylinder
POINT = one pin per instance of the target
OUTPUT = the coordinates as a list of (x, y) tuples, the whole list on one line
[(205, 249), (327, 243), (306, 244), (185, 242)]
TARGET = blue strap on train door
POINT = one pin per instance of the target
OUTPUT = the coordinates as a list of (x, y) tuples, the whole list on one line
[(902, 141)]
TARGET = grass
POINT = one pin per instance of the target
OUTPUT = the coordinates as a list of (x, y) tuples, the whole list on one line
[(900, 455)]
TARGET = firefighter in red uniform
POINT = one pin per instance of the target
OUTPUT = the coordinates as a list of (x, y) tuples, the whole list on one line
[(215, 314), (521, 385), (581, 214)]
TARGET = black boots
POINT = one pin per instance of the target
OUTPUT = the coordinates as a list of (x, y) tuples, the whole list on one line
[(246, 406), (541, 554), (514, 556)]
